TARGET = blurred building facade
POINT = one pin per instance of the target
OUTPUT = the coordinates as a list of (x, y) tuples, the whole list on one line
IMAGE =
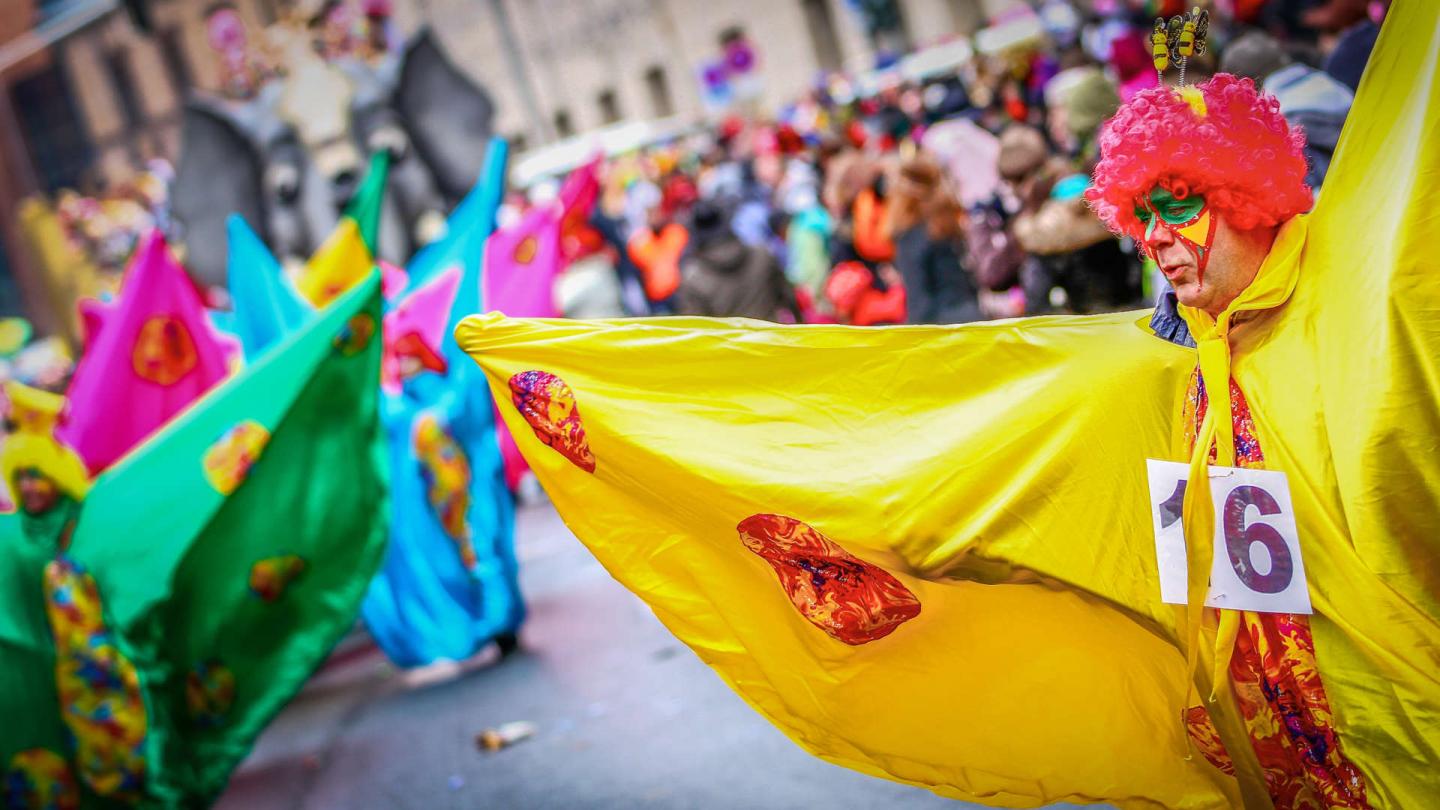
[(589, 62), (92, 89)]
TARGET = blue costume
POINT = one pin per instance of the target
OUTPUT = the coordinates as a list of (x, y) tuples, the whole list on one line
[(449, 582)]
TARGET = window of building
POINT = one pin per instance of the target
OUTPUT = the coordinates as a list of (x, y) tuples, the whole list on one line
[(658, 88), (823, 39), (884, 23), (122, 78), (50, 124), (563, 125), (172, 49), (609, 106), (969, 16), (268, 13), (731, 34), (11, 303)]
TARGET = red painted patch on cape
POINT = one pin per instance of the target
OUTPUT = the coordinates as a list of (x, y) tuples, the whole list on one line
[(852, 600), (548, 404)]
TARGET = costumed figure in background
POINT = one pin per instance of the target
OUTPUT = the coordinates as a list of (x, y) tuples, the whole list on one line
[(147, 358), (963, 525), (449, 584), (142, 679), (46, 479), (307, 106)]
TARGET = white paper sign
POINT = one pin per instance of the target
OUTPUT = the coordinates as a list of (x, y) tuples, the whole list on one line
[(1257, 564)]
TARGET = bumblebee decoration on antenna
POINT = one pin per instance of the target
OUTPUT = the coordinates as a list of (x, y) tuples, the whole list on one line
[(1175, 40)]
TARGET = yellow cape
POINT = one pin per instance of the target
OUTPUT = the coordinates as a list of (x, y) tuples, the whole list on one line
[(997, 472)]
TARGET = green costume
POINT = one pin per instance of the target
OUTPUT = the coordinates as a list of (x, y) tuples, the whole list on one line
[(208, 574)]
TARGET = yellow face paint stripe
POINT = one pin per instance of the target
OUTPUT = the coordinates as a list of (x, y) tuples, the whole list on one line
[(1198, 231)]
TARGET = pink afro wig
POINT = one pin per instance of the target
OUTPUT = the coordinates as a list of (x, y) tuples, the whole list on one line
[(1241, 154)]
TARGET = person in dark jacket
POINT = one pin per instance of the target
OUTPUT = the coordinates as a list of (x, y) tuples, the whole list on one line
[(926, 222), (1308, 98), (723, 277)]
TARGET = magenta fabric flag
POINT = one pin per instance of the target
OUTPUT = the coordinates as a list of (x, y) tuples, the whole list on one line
[(521, 265), (414, 330), (393, 280), (582, 186), (155, 354), (578, 195), (93, 313)]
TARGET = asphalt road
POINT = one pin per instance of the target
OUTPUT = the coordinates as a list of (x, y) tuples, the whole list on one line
[(625, 717)]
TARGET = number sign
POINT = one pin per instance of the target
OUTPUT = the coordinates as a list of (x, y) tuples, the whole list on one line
[(1257, 563)]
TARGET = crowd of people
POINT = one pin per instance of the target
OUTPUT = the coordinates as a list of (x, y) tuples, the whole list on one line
[(948, 199)]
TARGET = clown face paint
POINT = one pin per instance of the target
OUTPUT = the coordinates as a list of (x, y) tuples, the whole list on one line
[(1188, 217)]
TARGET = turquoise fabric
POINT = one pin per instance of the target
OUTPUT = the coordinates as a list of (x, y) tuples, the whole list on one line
[(448, 586), (477, 208), (266, 305)]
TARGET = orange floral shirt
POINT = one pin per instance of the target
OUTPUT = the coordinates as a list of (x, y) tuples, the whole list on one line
[(1276, 681)]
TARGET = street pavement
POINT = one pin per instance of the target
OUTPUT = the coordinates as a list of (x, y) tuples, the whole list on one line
[(625, 716)]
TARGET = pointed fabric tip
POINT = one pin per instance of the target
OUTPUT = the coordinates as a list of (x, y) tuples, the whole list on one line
[(582, 186), (267, 307), (471, 222), (393, 280), (415, 328), (578, 195), (521, 265), (93, 314), (155, 355), (365, 207), (339, 264)]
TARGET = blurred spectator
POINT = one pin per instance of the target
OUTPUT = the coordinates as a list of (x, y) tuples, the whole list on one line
[(656, 249), (608, 220), (807, 251), (1072, 248), (1347, 61), (1079, 100), (590, 287), (723, 277), (1331, 16), (927, 221), (870, 223), (863, 296), (1308, 98)]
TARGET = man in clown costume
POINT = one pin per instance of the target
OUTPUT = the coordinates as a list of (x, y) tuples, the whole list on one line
[(940, 555), (1210, 181)]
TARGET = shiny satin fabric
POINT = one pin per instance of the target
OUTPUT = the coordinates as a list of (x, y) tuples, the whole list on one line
[(997, 472), (154, 356), (450, 582), (208, 574)]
